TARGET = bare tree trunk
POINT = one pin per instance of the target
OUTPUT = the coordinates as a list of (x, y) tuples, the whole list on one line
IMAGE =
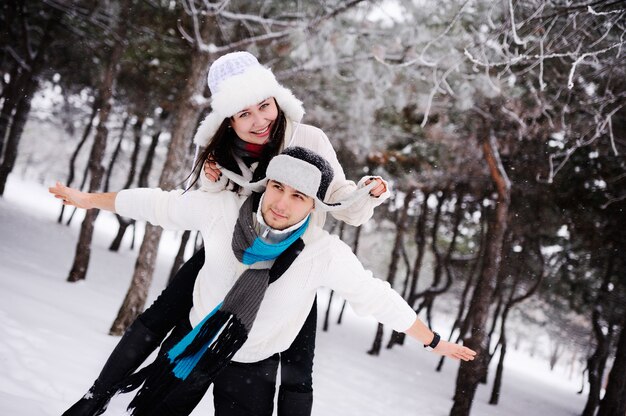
[(498, 296), (72, 169), (11, 92), (614, 401), (147, 165), (420, 242), (429, 295), (399, 337), (197, 242), (11, 98), (83, 182), (116, 152), (105, 92), (596, 363), (135, 299), (125, 222), (15, 134), (396, 252), (470, 371), (497, 382), (121, 231), (458, 321), (185, 122), (441, 264), (355, 249), (180, 255), (466, 322), (22, 98), (327, 314), (512, 301), (11, 95), (342, 227)]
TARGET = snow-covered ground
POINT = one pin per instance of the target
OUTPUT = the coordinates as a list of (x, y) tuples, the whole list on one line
[(53, 334)]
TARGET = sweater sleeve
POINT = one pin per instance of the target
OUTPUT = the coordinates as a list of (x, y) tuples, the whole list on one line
[(208, 186), (173, 210), (340, 188), (366, 294)]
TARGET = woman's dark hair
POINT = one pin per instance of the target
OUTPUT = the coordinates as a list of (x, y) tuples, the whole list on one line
[(220, 148)]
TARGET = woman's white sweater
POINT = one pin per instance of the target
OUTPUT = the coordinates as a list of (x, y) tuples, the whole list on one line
[(325, 261)]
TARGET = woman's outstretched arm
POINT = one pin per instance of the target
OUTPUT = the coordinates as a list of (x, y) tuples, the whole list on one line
[(84, 200)]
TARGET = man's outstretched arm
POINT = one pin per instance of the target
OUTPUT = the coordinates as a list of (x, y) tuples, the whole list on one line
[(424, 335)]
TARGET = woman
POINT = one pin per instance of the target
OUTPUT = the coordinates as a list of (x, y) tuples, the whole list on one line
[(253, 118)]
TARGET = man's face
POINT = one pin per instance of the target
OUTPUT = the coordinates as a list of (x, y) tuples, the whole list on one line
[(254, 124), (283, 206)]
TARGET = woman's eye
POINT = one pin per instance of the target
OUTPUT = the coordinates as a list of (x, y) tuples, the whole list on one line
[(242, 115), (264, 105)]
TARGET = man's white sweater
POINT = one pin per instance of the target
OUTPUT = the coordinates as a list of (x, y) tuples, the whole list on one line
[(325, 262)]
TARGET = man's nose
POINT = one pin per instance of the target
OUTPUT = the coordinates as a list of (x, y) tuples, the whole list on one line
[(282, 202)]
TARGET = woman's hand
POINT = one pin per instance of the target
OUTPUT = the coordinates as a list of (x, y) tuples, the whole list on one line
[(455, 351), (84, 200), (379, 189), (211, 171), (70, 196)]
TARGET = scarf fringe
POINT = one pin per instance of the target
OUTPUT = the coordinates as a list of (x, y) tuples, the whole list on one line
[(188, 351), (164, 393)]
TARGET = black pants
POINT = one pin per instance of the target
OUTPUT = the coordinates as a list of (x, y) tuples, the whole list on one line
[(240, 389), (246, 389)]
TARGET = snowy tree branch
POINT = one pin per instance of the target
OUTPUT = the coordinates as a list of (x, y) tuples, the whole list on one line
[(516, 38), (244, 42), (17, 58), (593, 12), (570, 81), (600, 129), (433, 91), (611, 136), (520, 58), (307, 67), (257, 19), (612, 201)]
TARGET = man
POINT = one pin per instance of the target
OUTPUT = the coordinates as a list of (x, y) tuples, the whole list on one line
[(265, 262)]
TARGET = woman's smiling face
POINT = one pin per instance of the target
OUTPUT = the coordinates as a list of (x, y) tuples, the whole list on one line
[(254, 124)]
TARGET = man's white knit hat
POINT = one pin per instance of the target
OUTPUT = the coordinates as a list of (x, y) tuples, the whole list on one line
[(306, 171), (237, 80)]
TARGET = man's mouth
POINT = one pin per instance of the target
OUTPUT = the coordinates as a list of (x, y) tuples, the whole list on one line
[(276, 214)]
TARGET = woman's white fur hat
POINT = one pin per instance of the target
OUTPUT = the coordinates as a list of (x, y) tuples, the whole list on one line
[(237, 80)]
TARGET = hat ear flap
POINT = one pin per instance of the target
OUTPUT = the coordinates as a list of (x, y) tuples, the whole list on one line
[(207, 129)]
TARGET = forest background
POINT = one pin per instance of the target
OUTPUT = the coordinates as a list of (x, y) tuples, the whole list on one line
[(500, 124)]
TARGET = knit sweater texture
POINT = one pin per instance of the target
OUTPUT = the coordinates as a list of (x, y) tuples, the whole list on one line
[(325, 262)]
